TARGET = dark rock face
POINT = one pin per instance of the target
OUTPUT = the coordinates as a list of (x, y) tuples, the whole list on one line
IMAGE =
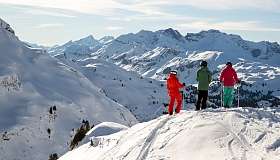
[(256, 52)]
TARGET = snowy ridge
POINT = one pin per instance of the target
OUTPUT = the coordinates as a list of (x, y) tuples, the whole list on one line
[(106, 39), (81, 48), (241, 133), (6, 26)]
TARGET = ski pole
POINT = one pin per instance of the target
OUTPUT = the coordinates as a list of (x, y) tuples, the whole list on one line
[(221, 95), (238, 97), (183, 103)]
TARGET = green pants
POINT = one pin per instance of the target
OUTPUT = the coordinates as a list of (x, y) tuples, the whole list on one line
[(228, 96)]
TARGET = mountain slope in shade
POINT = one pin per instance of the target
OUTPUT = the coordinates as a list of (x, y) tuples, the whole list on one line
[(43, 101), (240, 133), (144, 97)]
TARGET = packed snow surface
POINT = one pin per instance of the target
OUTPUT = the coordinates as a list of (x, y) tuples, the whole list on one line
[(105, 128), (234, 134)]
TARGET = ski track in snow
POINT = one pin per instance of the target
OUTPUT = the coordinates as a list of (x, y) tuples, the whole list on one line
[(159, 129), (228, 125), (149, 139), (152, 136), (238, 137), (173, 135), (232, 137), (114, 149)]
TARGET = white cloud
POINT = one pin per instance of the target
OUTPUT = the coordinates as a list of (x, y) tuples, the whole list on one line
[(114, 28), (48, 13), (227, 25), (219, 4), (49, 25), (147, 7), (83, 6)]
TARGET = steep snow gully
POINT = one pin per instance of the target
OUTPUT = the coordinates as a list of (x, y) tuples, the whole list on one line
[(234, 134)]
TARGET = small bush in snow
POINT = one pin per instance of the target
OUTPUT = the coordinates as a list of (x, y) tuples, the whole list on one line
[(53, 156), (80, 134), (11, 82)]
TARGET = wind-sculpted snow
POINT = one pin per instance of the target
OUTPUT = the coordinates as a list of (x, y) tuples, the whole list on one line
[(239, 134)]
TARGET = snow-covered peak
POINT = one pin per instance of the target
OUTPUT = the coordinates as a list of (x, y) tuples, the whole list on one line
[(106, 39), (212, 33), (89, 41), (6, 26), (78, 49), (231, 44), (172, 33), (86, 41)]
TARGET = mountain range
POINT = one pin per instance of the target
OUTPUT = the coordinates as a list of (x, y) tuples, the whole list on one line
[(154, 54), (49, 95)]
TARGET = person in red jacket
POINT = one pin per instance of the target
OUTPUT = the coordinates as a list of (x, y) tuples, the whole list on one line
[(229, 78), (173, 86)]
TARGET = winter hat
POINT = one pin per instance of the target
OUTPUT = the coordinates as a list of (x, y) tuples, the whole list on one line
[(203, 63), (173, 72), (229, 64)]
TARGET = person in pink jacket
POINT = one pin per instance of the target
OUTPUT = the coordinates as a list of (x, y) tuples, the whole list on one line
[(229, 78)]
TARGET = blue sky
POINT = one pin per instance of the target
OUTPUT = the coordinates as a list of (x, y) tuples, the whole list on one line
[(50, 22)]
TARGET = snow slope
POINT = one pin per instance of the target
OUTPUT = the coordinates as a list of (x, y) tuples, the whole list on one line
[(236, 134), (42, 102), (144, 97)]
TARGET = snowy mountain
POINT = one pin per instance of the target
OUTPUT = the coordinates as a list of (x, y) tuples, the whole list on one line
[(82, 48), (217, 41), (6, 26), (131, 50), (144, 97), (34, 45), (106, 39), (99, 88), (45, 105), (154, 54), (241, 133)]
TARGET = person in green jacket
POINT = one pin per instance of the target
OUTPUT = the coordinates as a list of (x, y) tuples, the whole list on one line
[(203, 77)]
